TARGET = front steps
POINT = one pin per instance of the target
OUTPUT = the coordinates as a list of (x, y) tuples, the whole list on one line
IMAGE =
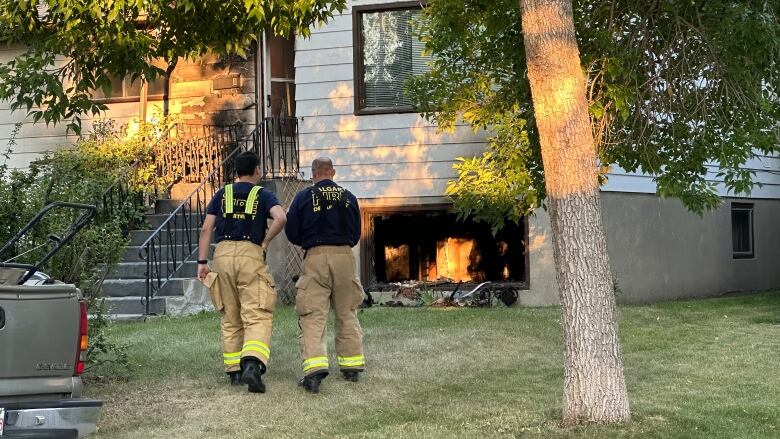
[(125, 288)]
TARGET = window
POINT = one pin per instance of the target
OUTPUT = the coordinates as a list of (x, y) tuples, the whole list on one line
[(386, 54), (742, 230), (127, 90), (429, 243)]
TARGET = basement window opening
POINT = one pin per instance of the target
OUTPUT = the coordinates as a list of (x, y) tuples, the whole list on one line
[(435, 246), (742, 230)]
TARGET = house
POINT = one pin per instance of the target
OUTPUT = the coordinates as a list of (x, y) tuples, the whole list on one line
[(339, 94), (347, 79)]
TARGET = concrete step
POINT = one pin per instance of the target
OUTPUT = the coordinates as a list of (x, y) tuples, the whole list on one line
[(176, 236), (155, 220), (165, 206), (134, 306), (137, 270), (131, 253), (137, 287)]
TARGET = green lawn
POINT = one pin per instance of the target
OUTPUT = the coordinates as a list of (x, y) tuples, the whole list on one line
[(695, 369)]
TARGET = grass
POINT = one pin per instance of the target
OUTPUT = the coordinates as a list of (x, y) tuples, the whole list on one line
[(695, 369)]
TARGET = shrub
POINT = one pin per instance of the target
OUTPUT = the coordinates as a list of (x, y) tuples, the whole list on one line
[(82, 173)]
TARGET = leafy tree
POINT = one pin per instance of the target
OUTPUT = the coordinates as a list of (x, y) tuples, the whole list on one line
[(670, 94), (76, 46), (656, 87), (98, 162)]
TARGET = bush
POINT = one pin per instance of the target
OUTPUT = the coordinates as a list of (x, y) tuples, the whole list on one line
[(82, 174)]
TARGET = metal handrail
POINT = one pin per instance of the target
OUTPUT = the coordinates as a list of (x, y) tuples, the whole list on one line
[(191, 147), (118, 191), (196, 130), (280, 147), (172, 244), (178, 243)]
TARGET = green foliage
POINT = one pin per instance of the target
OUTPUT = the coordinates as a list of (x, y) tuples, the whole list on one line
[(502, 184), (671, 94), (80, 174), (616, 290), (75, 46)]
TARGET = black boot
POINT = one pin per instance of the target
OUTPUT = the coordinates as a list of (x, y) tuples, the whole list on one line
[(351, 375), (235, 378), (311, 383), (252, 375)]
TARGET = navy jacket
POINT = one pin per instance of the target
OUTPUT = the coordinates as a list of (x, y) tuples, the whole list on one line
[(323, 214), (265, 201)]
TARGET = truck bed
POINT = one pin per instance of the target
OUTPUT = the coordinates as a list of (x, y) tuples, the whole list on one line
[(39, 336)]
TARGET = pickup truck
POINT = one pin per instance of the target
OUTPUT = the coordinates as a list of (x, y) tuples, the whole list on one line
[(43, 343)]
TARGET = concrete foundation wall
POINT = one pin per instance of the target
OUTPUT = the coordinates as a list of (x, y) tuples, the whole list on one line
[(658, 250)]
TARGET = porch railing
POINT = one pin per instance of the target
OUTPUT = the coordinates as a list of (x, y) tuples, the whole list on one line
[(183, 130), (279, 147), (114, 201), (173, 243), (194, 151)]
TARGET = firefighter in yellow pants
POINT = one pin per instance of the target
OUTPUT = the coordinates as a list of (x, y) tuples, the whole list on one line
[(241, 287), (325, 220)]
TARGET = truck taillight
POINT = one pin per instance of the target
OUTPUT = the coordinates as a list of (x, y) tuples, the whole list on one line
[(81, 355)]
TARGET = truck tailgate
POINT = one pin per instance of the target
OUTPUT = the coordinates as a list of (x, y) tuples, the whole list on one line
[(39, 334)]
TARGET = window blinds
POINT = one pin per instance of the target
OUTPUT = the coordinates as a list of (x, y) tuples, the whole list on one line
[(391, 54)]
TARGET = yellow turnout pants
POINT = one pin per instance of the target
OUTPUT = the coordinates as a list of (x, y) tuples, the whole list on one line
[(328, 279), (242, 290)]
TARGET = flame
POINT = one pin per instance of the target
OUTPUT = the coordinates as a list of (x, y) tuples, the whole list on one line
[(453, 258), (397, 262)]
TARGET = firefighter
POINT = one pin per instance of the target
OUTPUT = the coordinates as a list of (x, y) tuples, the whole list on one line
[(240, 285), (324, 219)]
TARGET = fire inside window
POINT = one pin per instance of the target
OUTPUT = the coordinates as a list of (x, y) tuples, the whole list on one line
[(436, 246)]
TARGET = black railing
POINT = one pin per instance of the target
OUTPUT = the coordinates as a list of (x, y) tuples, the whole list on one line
[(279, 147), (172, 244), (175, 240), (119, 199), (183, 130), (193, 151)]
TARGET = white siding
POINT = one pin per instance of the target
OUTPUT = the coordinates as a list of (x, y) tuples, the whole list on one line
[(31, 141), (378, 156), (402, 155), (35, 139), (767, 175)]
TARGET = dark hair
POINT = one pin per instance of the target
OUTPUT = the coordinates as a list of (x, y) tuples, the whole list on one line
[(246, 162)]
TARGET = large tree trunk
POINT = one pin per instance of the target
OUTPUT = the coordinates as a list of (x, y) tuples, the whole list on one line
[(594, 385)]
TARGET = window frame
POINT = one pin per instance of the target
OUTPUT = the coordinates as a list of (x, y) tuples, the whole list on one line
[(367, 238), (130, 99), (750, 208), (357, 56)]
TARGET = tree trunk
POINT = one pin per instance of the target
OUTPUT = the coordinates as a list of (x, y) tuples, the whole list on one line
[(594, 385)]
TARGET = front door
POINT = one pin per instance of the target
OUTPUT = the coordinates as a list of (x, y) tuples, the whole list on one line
[(280, 99)]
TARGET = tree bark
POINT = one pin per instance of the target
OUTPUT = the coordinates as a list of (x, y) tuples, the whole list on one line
[(594, 384)]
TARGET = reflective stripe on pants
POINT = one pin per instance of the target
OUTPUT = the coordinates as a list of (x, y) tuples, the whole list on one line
[(247, 299), (328, 280)]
